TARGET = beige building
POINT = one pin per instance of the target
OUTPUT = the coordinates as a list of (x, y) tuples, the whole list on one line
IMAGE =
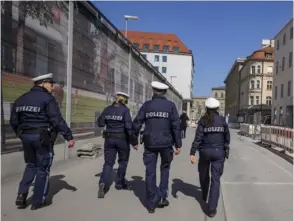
[(282, 106), (220, 94), (198, 107), (232, 93), (256, 83)]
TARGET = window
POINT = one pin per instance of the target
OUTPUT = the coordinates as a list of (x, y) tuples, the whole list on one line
[(289, 88), (258, 69), (136, 45), (276, 92), (284, 39), (282, 90), (156, 67), (146, 47), (215, 94), (258, 84), (166, 48), (277, 67), (163, 69), (257, 100), (251, 100), (278, 44), (164, 58), (222, 95), (155, 47), (290, 59), (176, 49), (269, 85), (268, 100), (156, 58), (291, 32), (253, 70), (283, 63), (268, 56), (252, 84)]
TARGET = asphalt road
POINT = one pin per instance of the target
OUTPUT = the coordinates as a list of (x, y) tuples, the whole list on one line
[(257, 185)]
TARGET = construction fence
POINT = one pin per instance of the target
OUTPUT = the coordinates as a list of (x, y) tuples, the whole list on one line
[(90, 59)]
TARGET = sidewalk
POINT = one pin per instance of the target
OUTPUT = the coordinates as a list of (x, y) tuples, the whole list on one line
[(13, 164), (257, 185)]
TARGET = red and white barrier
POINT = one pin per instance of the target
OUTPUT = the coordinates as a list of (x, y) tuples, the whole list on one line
[(278, 136), (250, 129)]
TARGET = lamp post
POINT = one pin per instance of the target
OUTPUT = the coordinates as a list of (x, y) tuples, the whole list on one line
[(129, 17)]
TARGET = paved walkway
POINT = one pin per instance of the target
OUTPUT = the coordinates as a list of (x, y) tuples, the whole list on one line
[(257, 186)]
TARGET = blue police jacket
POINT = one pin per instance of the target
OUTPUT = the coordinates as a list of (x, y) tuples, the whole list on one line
[(38, 109), (211, 136), (162, 123), (117, 119)]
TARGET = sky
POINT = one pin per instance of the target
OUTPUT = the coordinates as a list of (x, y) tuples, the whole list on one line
[(217, 32)]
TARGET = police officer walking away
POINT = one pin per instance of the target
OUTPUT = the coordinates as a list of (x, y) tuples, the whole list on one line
[(118, 136), (212, 140), (36, 120), (161, 132)]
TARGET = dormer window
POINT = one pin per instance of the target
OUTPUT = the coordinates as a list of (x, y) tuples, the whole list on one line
[(268, 56)]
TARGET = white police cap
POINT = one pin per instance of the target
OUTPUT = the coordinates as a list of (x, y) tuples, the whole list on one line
[(123, 94), (44, 78), (212, 103), (159, 86)]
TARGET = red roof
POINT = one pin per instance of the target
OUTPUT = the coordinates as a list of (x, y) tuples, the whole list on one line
[(160, 39)]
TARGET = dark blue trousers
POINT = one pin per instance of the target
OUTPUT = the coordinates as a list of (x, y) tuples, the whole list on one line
[(153, 194), (38, 158), (111, 148), (211, 160)]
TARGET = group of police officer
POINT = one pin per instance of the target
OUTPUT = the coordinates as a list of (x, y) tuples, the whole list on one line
[(36, 119)]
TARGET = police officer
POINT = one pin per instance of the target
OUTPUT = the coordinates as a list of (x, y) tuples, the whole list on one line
[(36, 119), (212, 140), (118, 136), (161, 132)]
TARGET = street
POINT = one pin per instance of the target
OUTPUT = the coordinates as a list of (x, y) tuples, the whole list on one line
[(257, 185)]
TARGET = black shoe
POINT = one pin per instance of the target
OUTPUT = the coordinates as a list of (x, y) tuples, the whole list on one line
[(21, 200), (163, 203), (38, 206), (211, 213), (101, 190), (123, 187), (151, 210)]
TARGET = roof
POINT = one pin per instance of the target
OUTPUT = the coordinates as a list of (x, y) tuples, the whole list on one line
[(219, 88), (238, 61), (160, 39), (260, 55)]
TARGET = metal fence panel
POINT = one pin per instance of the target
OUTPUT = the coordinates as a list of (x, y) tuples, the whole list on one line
[(33, 44)]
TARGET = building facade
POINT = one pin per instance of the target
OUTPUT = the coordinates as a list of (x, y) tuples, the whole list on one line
[(198, 108), (282, 106), (256, 78), (232, 94), (219, 93), (171, 57)]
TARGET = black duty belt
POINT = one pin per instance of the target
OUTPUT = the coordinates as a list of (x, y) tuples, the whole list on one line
[(113, 135), (34, 131)]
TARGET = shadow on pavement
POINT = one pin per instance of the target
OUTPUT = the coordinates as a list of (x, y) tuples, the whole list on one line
[(56, 184), (137, 185), (112, 179), (188, 190)]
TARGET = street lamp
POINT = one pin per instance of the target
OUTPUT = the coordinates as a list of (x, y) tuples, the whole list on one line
[(129, 17)]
